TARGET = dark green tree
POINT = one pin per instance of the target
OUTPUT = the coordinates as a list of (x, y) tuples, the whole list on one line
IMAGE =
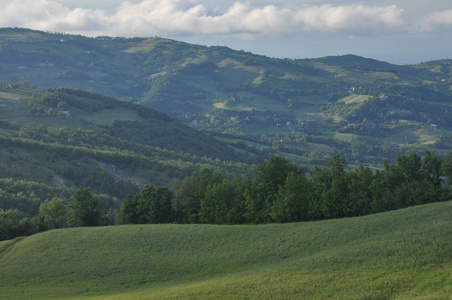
[(186, 202), (383, 187), (321, 182), (334, 201), (190, 192), (150, 205), (85, 209), (414, 183), (446, 168), (268, 178), (223, 203), (360, 195), (432, 168), (293, 199), (161, 210)]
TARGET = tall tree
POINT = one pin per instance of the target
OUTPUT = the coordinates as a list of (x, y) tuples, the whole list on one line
[(335, 201), (85, 208), (150, 205), (360, 194), (269, 177), (293, 199), (161, 210), (189, 193)]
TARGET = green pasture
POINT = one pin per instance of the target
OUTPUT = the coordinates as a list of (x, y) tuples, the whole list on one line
[(146, 45), (108, 116), (252, 103), (403, 254), (354, 98)]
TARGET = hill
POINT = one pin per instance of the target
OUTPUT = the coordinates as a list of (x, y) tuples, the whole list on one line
[(403, 254), (307, 109), (73, 138)]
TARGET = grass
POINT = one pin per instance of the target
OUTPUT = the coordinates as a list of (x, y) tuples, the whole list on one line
[(403, 254), (108, 116), (146, 45), (348, 137), (354, 98)]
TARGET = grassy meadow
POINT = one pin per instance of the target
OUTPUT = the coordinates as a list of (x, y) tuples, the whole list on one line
[(402, 254)]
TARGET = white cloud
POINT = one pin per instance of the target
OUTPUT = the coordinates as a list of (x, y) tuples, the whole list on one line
[(176, 18), (437, 21)]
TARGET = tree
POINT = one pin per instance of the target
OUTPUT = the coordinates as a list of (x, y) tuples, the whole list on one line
[(62, 106), (360, 194), (186, 201), (432, 167), (54, 212), (85, 208), (217, 207), (446, 168), (410, 166), (189, 193), (269, 176), (417, 186), (150, 205), (129, 214), (383, 187), (321, 182), (160, 205), (12, 224), (293, 200), (334, 201)]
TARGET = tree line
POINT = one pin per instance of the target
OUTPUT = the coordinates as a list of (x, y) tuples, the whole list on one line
[(277, 191), (84, 209), (281, 192)]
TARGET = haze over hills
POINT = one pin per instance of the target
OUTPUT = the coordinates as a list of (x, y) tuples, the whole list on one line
[(307, 110)]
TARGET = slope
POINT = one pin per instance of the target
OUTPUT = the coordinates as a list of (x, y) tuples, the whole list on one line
[(70, 137), (401, 254), (294, 107)]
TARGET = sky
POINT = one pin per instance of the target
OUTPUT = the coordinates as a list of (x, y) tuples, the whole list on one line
[(396, 31)]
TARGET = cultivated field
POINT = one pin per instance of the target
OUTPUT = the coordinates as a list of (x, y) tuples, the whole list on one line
[(402, 254)]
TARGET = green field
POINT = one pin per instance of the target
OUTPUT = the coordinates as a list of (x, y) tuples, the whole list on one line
[(354, 99), (405, 254)]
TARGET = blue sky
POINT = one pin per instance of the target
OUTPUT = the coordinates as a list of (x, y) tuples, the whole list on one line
[(402, 32)]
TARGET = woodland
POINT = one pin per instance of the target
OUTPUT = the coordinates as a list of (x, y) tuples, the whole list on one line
[(151, 130)]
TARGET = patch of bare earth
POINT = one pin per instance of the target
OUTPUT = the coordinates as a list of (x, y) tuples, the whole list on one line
[(119, 174)]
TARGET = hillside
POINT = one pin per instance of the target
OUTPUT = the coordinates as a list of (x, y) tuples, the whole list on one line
[(306, 109), (72, 138), (403, 254)]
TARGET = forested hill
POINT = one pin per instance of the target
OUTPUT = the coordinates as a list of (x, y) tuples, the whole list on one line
[(306, 109), (70, 137)]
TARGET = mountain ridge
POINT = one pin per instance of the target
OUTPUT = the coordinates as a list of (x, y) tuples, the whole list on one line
[(305, 109)]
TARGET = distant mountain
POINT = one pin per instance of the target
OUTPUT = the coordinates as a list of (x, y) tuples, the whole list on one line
[(307, 109)]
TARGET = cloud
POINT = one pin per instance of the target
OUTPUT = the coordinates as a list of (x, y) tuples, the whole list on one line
[(437, 21), (50, 15), (176, 18)]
